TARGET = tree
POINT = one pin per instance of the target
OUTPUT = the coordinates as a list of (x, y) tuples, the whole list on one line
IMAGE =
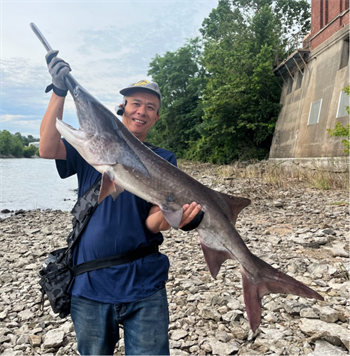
[(241, 98), (180, 77), (342, 131), (13, 145)]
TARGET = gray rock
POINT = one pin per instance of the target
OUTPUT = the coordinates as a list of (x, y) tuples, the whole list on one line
[(323, 348), (210, 313), (221, 348), (26, 315), (178, 334), (53, 338), (333, 333)]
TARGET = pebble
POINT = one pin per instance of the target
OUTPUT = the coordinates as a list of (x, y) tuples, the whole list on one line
[(298, 229)]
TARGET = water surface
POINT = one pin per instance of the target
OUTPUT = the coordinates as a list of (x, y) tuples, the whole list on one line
[(34, 184)]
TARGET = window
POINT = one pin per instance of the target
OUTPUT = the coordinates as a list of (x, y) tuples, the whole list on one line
[(299, 79), (315, 110), (289, 85), (342, 104), (344, 59)]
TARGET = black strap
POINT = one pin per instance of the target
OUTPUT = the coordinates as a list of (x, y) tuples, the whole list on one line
[(123, 258), (82, 212)]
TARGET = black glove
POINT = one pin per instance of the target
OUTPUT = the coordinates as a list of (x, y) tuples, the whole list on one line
[(194, 223), (58, 69)]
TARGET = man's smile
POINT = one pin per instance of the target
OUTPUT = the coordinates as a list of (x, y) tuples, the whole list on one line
[(139, 121)]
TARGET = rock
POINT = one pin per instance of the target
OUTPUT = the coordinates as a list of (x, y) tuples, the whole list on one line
[(26, 315), (35, 340), (53, 338), (178, 334), (333, 333), (338, 250), (211, 314), (324, 348), (221, 348)]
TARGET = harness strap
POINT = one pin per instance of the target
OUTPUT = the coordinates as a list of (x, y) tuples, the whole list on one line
[(116, 260)]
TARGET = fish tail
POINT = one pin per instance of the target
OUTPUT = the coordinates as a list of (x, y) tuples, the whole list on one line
[(268, 280)]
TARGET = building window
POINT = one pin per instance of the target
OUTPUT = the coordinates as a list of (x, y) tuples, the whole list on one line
[(314, 114), (289, 85), (299, 79), (342, 104), (344, 59)]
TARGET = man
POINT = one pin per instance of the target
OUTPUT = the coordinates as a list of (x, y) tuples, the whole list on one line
[(132, 294)]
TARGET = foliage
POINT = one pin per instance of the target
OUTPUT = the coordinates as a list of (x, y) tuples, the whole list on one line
[(180, 77), (342, 131), (14, 145), (221, 98)]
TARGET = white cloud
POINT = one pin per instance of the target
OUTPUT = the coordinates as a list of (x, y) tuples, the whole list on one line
[(109, 44)]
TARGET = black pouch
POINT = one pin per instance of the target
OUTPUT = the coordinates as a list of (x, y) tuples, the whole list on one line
[(55, 278)]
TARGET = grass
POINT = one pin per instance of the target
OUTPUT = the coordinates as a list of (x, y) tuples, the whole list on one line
[(278, 176)]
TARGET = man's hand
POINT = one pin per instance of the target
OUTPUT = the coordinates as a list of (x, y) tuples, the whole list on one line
[(58, 69), (156, 222), (190, 212)]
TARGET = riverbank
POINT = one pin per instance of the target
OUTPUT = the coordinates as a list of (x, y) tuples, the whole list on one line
[(295, 227)]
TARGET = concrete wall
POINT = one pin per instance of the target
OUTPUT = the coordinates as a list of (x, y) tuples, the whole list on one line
[(323, 79)]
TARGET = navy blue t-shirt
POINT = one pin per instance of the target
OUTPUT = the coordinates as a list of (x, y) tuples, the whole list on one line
[(114, 228)]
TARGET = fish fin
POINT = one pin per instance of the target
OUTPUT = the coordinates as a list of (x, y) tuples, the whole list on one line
[(269, 280), (236, 204), (214, 258), (173, 217), (108, 187)]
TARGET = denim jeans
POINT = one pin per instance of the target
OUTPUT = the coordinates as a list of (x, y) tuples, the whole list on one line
[(145, 325)]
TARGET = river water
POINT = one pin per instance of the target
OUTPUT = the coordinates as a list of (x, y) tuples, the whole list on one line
[(33, 183)]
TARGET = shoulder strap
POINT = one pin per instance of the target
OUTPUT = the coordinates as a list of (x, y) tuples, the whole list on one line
[(82, 211), (116, 260)]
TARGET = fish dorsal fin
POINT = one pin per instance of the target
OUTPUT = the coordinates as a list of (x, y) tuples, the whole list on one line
[(235, 204)]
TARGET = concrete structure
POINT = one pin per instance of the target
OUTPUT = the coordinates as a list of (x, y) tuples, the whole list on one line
[(312, 98)]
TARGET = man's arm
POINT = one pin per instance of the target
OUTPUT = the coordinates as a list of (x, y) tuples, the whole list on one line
[(156, 222), (51, 145)]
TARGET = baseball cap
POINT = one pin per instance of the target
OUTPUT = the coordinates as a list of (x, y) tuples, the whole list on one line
[(143, 84)]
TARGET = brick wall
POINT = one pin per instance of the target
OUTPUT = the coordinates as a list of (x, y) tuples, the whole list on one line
[(322, 14)]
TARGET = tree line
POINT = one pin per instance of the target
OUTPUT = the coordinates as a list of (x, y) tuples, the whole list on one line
[(220, 98), (16, 145)]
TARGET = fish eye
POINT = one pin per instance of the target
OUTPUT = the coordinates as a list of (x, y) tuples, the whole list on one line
[(76, 91)]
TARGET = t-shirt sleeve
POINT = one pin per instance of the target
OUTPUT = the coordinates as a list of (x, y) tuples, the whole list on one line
[(67, 168)]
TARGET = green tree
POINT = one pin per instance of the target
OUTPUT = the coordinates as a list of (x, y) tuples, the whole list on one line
[(30, 151), (342, 131), (5, 143), (13, 145), (241, 98), (180, 77)]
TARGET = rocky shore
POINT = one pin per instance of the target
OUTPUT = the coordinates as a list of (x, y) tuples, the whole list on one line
[(298, 229)]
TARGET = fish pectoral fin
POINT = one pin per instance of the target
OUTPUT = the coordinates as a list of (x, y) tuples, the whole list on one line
[(214, 258), (173, 217), (236, 204), (108, 187)]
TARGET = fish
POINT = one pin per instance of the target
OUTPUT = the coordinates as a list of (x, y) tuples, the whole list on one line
[(127, 164)]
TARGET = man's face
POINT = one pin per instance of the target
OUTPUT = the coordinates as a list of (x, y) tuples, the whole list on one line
[(140, 112)]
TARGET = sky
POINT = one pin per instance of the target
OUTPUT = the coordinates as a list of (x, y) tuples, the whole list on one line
[(108, 44)]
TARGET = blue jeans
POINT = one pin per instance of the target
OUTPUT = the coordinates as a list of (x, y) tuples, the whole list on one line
[(145, 324)]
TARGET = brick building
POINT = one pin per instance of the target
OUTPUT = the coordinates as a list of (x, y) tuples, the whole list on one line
[(312, 98)]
